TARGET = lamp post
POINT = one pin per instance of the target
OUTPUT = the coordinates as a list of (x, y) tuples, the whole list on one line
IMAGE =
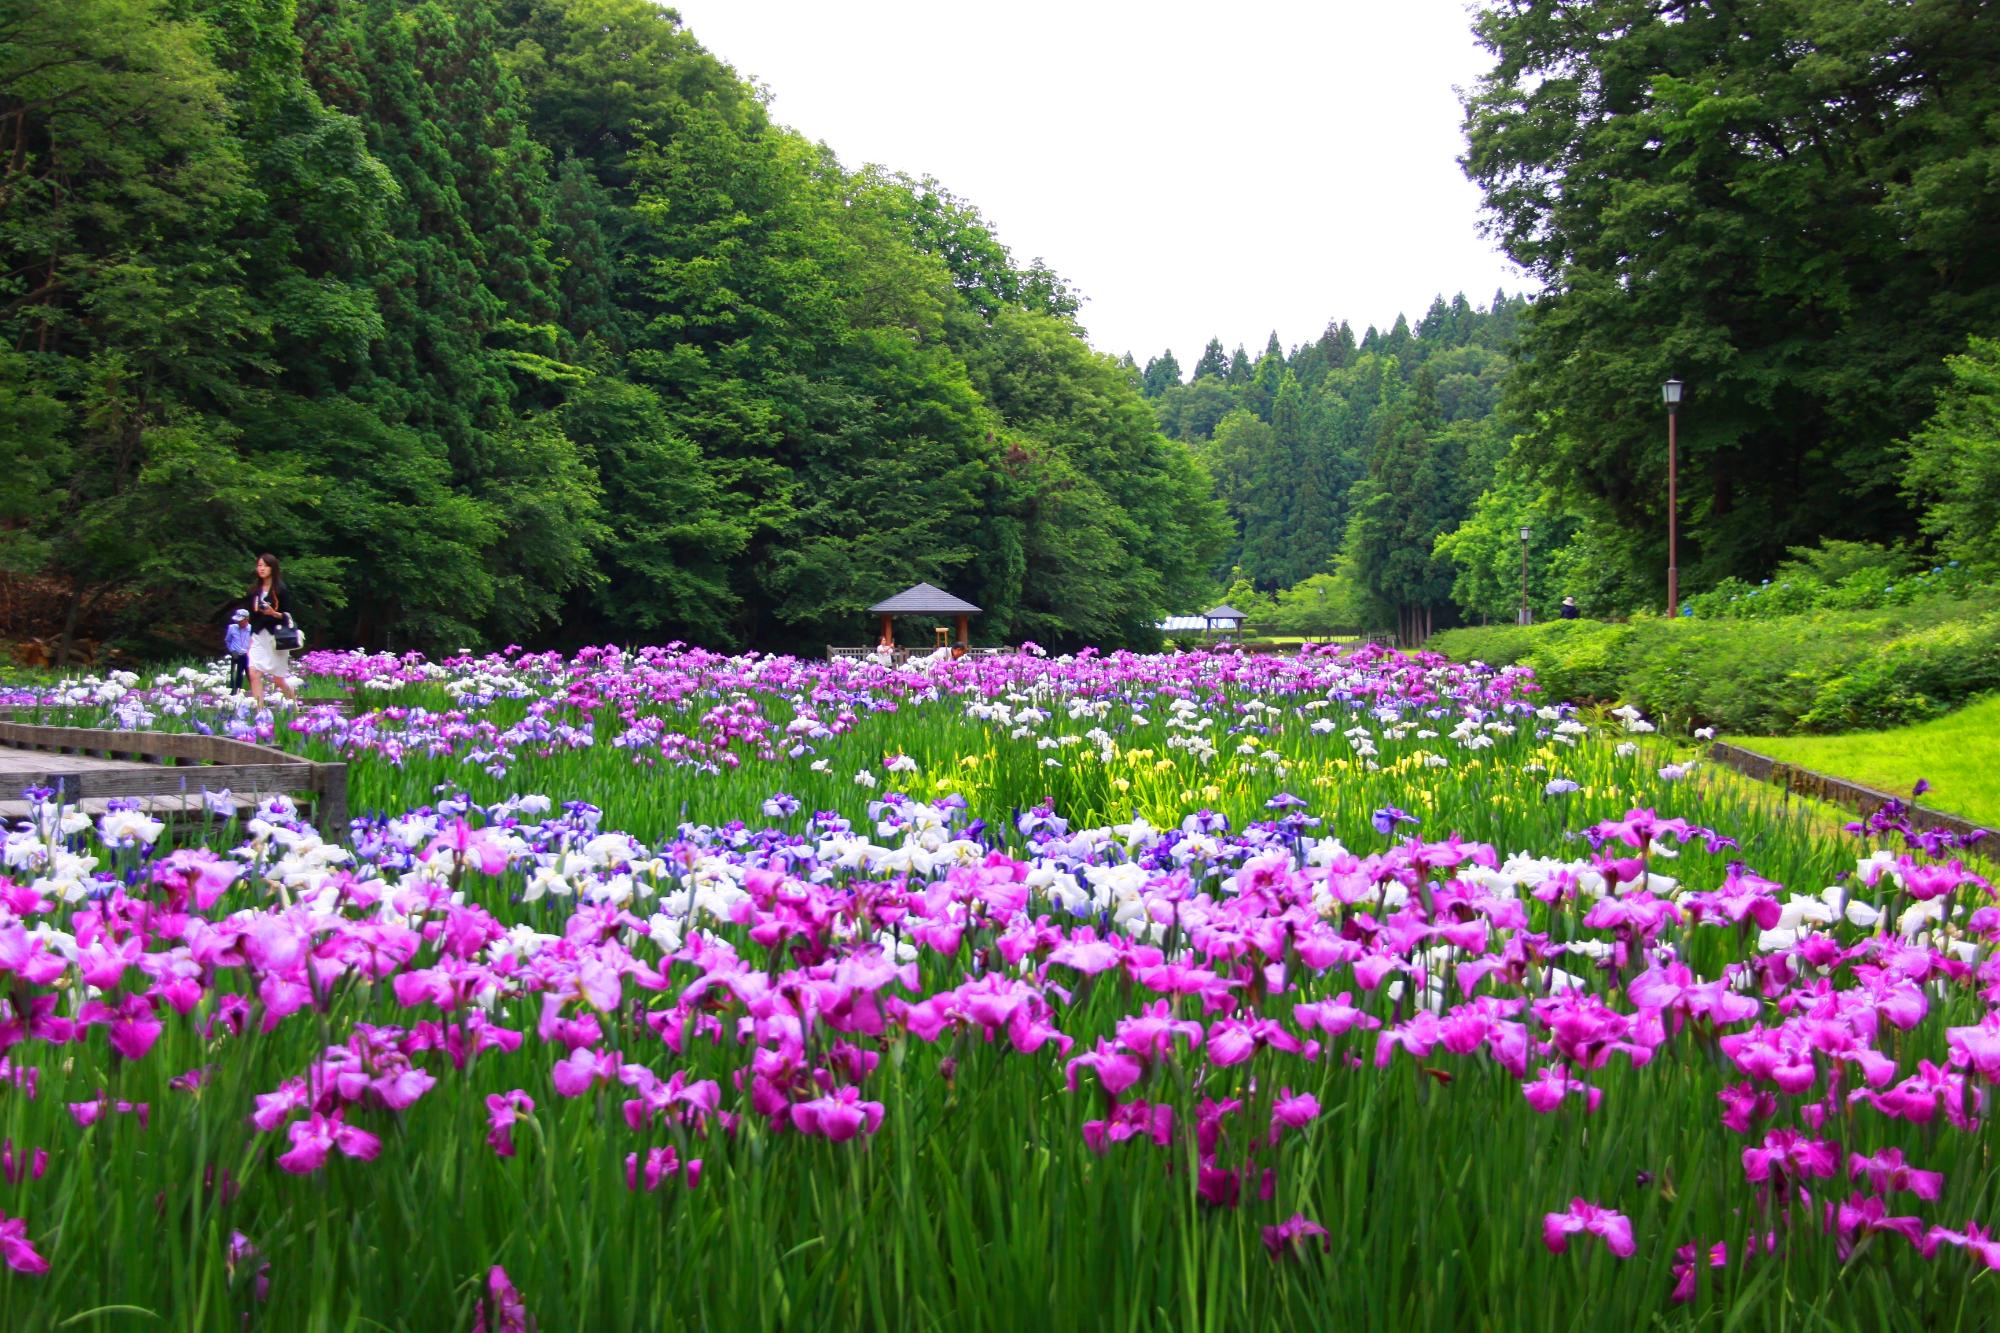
[(1526, 532), (1671, 391)]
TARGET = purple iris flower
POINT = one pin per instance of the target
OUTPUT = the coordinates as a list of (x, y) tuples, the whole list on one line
[(1386, 819), (1205, 821)]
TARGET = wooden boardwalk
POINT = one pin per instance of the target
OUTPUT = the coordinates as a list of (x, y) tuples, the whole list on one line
[(166, 773)]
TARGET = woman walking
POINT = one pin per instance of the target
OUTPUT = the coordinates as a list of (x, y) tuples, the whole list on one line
[(268, 599)]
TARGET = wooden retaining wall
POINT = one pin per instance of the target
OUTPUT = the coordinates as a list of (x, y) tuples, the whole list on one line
[(1838, 791)]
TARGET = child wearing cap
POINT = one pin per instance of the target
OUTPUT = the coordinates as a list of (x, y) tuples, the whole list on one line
[(236, 642)]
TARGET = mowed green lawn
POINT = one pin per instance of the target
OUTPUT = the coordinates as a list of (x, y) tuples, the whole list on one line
[(1958, 753)]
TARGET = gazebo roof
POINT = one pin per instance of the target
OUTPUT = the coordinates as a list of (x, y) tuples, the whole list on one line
[(1223, 612), (924, 600)]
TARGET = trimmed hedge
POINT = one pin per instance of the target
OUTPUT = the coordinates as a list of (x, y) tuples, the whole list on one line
[(1827, 671)]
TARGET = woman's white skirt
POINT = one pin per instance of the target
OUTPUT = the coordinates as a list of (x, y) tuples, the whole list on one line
[(266, 657)]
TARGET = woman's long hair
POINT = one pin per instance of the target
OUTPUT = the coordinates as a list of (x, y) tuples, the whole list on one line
[(277, 579)]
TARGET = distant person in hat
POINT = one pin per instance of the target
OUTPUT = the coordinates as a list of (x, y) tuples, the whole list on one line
[(236, 642), (1568, 611)]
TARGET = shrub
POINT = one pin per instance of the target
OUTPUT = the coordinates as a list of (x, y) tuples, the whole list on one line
[(1838, 575), (1912, 677), (1826, 671)]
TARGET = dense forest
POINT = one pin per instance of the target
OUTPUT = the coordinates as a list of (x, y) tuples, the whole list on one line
[(512, 319), (1793, 208), (1344, 462), (521, 320)]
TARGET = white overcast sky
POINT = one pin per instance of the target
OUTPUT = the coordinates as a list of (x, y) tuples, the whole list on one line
[(1197, 170)]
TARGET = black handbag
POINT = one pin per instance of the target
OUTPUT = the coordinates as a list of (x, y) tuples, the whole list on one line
[(286, 637)]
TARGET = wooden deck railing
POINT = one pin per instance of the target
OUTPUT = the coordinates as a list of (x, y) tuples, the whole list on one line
[(176, 764), (902, 655)]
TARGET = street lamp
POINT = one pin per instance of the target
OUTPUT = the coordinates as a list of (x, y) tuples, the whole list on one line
[(1526, 532), (1671, 391)]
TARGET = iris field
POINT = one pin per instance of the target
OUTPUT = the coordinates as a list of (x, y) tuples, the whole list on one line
[(674, 990)]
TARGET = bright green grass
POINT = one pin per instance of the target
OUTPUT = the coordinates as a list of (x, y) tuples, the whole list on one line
[(1959, 754)]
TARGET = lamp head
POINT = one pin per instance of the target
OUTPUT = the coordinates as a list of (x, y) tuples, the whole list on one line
[(1671, 391)]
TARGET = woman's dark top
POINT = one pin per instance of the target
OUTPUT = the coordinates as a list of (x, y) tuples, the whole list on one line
[(267, 610), (1567, 613)]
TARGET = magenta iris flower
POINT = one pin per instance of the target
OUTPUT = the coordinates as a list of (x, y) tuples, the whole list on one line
[(312, 1139), (503, 1299), (1129, 1120), (1887, 1173), (243, 1256), (1115, 1069), (657, 1166), (839, 1116), (1293, 1237), (1546, 1090), (1786, 1152), (18, 1251), (1292, 1111), (1687, 1268), (1975, 1240), (1863, 1214), (574, 1075), (1584, 1217), (15, 1166), (502, 1110), (481, 849)]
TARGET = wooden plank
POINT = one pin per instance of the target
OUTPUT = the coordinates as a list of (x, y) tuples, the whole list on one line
[(166, 807), (330, 801), (146, 781), (159, 744)]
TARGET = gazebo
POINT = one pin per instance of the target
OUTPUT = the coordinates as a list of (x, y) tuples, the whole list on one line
[(1225, 618), (924, 600)]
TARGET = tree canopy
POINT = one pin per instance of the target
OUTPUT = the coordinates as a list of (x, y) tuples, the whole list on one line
[(1793, 207), (519, 319), (523, 320)]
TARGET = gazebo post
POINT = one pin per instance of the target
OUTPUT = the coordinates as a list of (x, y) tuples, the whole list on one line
[(964, 634), (888, 629)]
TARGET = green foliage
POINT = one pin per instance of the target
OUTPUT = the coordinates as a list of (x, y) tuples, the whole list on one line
[(1415, 491), (1915, 675), (133, 338), (1323, 604), (1486, 551), (1297, 443), (1116, 524), (1162, 373), (1792, 207), (1954, 460), (489, 314), (1839, 575), (1827, 671), (1582, 660)]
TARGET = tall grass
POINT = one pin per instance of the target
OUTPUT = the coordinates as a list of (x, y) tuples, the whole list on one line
[(977, 1204)]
